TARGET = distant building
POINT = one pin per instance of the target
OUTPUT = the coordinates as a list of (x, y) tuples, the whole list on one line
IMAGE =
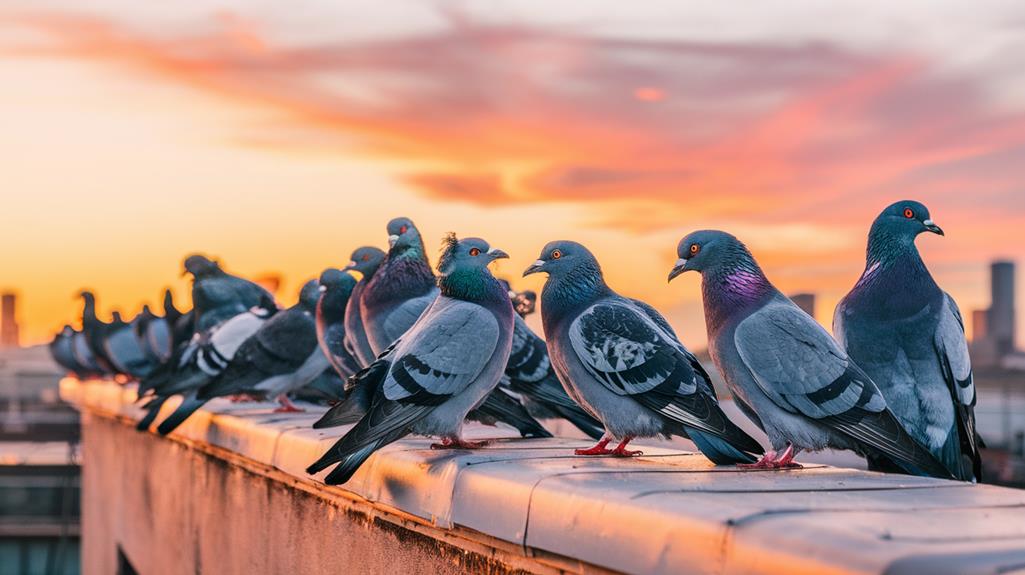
[(1000, 322), (979, 325), (8, 323), (805, 301)]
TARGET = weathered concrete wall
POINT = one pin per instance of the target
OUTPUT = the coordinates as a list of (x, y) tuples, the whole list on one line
[(175, 509)]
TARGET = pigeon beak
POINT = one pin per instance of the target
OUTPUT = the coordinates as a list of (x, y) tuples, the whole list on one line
[(392, 240), (679, 268), (322, 289), (932, 227), (534, 268), (351, 266), (497, 254)]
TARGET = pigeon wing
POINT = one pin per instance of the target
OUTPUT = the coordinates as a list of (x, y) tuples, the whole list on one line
[(956, 366)]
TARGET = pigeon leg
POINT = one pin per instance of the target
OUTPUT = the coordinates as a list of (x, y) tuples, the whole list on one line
[(621, 450), (456, 443), (786, 459), (242, 398), (287, 406), (764, 463), (598, 449)]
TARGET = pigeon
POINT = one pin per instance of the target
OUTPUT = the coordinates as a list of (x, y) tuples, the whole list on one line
[(63, 352), (365, 260), (908, 336), (153, 334), (217, 295), (95, 330), (124, 350), (84, 356), (440, 369), (336, 289), (203, 358), (530, 375), (785, 371), (622, 362), (400, 290)]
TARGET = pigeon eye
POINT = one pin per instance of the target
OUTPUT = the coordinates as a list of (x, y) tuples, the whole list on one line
[(365, 258), (474, 251), (402, 230), (909, 213), (694, 249), (556, 254)]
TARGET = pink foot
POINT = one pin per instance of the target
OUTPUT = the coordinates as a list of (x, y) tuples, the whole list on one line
[(287, 406), (449, 443), (774, 460), (622, 451), (598, 449), (242, 398)]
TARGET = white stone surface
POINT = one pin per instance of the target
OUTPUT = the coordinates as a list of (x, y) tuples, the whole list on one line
[(668, 511)]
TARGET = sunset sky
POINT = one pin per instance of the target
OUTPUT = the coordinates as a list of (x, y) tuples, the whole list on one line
[(278, 136)]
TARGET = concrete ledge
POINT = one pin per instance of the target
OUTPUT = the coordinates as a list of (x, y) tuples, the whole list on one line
[(530, 505)]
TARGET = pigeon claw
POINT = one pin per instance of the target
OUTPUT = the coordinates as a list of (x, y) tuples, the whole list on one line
[(449, 443), (620, 452), (774, 460), (287, 406), (599, 448)]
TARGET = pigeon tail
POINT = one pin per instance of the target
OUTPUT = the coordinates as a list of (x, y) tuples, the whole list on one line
[(190, 405), (500, 406), (581, 420), (152, 410), (717, 449), (359, 391)]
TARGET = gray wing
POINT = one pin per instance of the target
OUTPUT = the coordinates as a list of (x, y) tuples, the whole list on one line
[(956, 366), (443, 353), (124, 350), (528, 360), (802, 369)]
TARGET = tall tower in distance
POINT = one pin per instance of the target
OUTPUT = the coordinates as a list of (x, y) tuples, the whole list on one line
[(805, 301), (8, 324), (1000, 322)]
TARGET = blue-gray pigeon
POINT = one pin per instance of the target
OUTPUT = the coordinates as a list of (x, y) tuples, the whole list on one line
[(63, 352), (400, 290), (124, 350), (785, 371), (336, 289), (620, 359), (365, 260), (440, 369), (95, 331), (203, 358), (218, 295), (908, 336)]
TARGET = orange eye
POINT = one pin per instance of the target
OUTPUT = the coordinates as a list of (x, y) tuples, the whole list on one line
[(365, 258), (556, 254), (474, 252), (909, 213), (694, 249), (402, 230)]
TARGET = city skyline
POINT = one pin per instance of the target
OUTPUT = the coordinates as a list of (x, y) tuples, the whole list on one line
[(280, 140)]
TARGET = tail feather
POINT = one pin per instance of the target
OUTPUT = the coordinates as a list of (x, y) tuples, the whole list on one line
[(581, 420), (500, 406), (359, 390), (718, 450), (190, 405), (880, 433), (152, 410)]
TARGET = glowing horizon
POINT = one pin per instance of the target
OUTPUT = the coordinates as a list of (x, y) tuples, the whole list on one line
[(279, 141)]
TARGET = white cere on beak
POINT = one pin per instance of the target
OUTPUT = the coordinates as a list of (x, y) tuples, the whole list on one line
[(322, 289), (392, 240), (681, 262), (929, 223), (539, 262)]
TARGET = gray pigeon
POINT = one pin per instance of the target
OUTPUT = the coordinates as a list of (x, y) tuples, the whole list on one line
[(125, 351), (336, 289), (440, 369), (400, 290), (63, 352), (619, 359), (218, 295), (908, 336), (785, 371), (365, 260)]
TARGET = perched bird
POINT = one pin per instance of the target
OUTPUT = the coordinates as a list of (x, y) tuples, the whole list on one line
[(908, 336), (63, 352), (95, 331), (440, 369), (84, 356), (153, 334), (218, 295), (365, 260), (280, 357), (786, 373), (204, 357), (124, 350), (619, 359), (400, 290), (530, 375), (336, 290)]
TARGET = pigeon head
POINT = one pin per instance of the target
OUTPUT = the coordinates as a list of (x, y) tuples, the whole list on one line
[(463, 269), (199, 265), (116, 318), (710, 251), (337, 281), (894, 231), (87, 296), (366, 260), (309, 295), (561, 258), (402, 235)]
